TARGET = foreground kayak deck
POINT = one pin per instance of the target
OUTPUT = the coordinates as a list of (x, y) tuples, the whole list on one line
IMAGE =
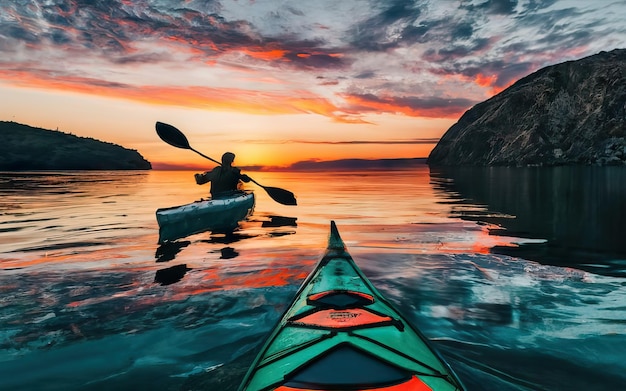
[(340, 333), (223, 214)]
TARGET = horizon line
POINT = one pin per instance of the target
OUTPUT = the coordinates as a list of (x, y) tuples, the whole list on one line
[(346, 164)]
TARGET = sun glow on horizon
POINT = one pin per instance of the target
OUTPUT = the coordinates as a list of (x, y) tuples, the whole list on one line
[(257, 140), (279, 83)]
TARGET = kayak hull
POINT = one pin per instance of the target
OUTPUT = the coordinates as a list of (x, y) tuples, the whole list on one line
[(215, 214), (340, 333)]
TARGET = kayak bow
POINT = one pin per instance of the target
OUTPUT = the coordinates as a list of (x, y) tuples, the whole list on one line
[(340, 333)]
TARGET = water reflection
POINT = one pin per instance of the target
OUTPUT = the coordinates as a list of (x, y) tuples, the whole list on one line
[(168, 250), (101, 184), (280, 221), (171, 275), (228, 253), (578, 211), (52, 211), (504, 323), (228, 237)]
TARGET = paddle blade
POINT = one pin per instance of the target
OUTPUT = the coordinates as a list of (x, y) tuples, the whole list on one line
[(171, 135), (281, 196)]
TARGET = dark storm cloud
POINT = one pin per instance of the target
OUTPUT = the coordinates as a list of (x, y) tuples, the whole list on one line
[(463, 31), (569, 39), (430, 106), (143, 58), (549, 30), (555, 28), (433, 102), (506, 71), (405, 23), (384, 142), (548, 20), (498, 7), (108, 25), (453, 52), (317, 61), (113, 29), (365, 75), (59, 36), (502, 7), (386, 47), (18, 33), (373, 34)]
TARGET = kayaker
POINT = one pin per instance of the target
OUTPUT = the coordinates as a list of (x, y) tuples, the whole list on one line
[(225, 178)]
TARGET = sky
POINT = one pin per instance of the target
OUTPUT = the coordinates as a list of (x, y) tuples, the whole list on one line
[(280, 82)]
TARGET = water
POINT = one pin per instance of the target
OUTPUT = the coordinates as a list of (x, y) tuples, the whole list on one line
[(516, 275)]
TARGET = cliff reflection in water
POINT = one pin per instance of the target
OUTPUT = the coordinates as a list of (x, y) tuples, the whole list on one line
[(578, 211)]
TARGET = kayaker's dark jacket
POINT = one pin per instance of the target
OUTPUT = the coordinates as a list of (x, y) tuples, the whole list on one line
[(223, 179)]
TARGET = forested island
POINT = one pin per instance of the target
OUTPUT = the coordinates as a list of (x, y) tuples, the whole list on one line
[(25, 148)]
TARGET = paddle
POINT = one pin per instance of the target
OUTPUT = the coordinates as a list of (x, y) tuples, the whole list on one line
[(176, 138)]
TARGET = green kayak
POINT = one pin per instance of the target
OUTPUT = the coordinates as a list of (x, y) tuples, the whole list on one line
[(340, 333), (215, 214)]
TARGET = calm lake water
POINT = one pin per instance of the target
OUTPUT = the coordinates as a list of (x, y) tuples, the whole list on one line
[(518, 276)]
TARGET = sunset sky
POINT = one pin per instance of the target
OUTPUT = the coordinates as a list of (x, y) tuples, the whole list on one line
[(278, 82)]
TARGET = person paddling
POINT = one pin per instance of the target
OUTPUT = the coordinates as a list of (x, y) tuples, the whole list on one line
[(225, 178)]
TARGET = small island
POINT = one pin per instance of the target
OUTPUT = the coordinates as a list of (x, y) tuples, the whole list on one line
[(25, 148)]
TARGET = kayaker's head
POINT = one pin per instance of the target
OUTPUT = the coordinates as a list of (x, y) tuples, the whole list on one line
[(228, 158)]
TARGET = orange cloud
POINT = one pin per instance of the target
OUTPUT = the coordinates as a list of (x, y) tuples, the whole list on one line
[(484, 80), (490, 81), (481, 80), (228, 99), (267, 55), (395, 106), (218, 99)]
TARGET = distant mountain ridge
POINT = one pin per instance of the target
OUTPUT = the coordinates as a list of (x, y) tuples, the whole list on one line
[(25, 148), (345, 165), (565, 114), (357, 164), (317, 165)]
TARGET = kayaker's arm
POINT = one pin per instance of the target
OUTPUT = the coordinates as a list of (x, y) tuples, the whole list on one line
[(203, 178), (176, 138)]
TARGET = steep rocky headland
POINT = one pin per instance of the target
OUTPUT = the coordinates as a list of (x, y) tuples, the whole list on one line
[(572, 113), (26, 148)]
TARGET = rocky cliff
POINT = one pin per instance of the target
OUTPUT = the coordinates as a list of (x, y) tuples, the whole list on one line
[(565, 114), (27, 148)]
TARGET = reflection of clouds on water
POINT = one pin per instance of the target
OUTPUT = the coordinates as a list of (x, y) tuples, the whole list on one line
[(57, 206), (565, 216), (93, 317)]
